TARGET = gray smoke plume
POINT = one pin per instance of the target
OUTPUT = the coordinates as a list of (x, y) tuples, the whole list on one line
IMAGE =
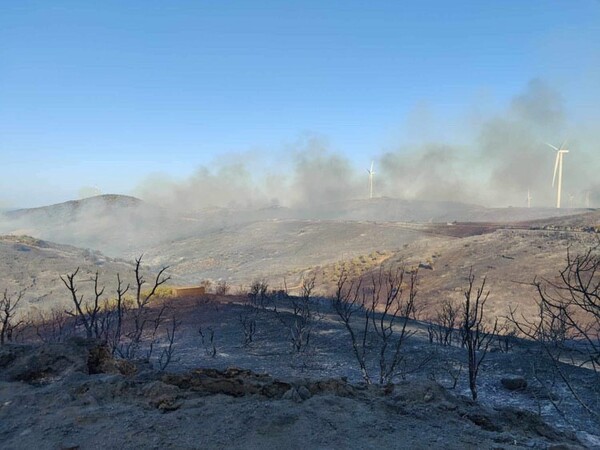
[(316, 176), (432, 172), (505, 156), (321, 176), (499, 159), (508, 156)]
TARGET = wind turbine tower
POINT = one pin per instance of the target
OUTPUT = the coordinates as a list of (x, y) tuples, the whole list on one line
[(587, 199), (529, 198), (558, 169), (371, 173)]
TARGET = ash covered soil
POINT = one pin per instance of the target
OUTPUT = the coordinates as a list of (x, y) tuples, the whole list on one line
[(74, 394), (224, 394)]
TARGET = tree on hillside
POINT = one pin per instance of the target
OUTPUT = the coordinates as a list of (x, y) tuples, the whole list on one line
[(105, 319), (568, 323), (475, 335), (8, 306), (375, 313)]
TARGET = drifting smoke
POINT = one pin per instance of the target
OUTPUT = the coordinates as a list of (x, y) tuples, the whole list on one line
[(230, 185), (513, 146), (433, 172), (320, 176), (506, 158)]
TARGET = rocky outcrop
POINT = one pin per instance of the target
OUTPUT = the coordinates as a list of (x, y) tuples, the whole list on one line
[(237, 382), (40, 364)]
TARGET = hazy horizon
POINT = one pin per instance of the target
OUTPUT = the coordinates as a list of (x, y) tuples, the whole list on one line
[(266, 103)]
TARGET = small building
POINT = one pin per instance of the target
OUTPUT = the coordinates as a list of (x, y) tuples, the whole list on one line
[(193, 291)]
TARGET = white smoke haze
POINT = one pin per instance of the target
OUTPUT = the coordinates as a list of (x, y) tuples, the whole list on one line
[(431, 172), (503, 158), (321, 176), (229, 185), (313, 176), (506, 157)]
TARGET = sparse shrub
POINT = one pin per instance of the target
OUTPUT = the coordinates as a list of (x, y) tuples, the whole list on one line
[(442, 325), (208, 341), (54, 327), (247, 321), (166, 356), (222, 288), (507, 337), (475, 337), (304, 315), (87, 313), (258, 294), (445, 369), (207, 285), (568, 323), (8, 306), (105, 320), (376, 318), (141, 316)]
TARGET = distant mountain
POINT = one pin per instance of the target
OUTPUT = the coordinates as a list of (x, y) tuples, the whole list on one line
[(74, 208), (114, 224), (123, 226)]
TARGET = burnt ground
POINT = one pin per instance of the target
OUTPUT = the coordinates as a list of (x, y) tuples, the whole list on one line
[(53, 397)]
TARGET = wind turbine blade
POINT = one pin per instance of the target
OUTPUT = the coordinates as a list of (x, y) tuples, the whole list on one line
[(550, 145), (371, 166), (562, 147), (555, 168)]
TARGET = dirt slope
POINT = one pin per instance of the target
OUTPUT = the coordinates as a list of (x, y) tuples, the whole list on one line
[(509, 259), (275, 249)]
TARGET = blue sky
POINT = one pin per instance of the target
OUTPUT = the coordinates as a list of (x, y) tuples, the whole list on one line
[(105, 93)]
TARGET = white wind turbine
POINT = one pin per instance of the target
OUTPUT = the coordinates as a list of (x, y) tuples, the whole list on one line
[(558, 168), (371, 173), (529, 198)]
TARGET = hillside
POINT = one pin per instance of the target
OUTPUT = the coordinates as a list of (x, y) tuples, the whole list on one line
[(71, 210), (276, 249), (266, 396), (385, 209), (122, 226), (240, 246), (37, 265), (112, 224)]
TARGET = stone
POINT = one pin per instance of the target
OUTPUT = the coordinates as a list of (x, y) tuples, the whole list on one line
[(304, 393), (514, 383), (292, 394)]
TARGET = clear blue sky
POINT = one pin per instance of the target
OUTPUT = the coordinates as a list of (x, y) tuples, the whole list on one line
[(105, 92)]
